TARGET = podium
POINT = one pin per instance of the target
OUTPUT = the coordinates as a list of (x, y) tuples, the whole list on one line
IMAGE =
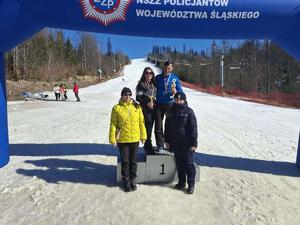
[(159, 168)]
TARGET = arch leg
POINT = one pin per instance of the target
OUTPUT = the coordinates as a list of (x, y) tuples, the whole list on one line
[(298, 154), (4, 155)]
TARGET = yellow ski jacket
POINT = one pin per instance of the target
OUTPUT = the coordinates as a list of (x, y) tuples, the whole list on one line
[(129, 118)]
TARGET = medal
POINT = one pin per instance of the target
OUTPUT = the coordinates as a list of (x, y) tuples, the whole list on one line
[(166, 82), (150, 88)]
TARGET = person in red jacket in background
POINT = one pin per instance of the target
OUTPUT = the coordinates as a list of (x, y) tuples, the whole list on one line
[(62, 92), (76, 90)]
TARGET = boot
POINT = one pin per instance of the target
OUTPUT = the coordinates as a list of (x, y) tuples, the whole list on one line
[(179, 185), (190, 190), (127, 187), (133, 184)]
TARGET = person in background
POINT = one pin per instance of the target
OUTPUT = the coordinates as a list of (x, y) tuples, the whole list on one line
[(181, 136), (65, 92), (76, 91), (146, 96), (62, 91), (56, 92), (168, 85), (127, 129)]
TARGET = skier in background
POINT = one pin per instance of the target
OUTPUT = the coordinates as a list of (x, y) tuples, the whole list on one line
[(76, 91)]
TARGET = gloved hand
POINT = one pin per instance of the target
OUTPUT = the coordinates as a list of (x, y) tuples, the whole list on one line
[(114, 145)]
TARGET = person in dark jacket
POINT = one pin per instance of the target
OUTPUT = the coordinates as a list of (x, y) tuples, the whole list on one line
[(146, 96), (181, 137), (66, 90), (168, 85)]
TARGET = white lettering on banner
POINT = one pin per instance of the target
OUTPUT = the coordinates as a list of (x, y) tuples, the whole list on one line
[(234, 15), (149, 2), (217, 3), (173, 14), (108, 3), (189, 14)]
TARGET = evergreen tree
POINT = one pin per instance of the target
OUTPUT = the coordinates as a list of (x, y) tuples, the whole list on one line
[(60, 44), (109, 51)]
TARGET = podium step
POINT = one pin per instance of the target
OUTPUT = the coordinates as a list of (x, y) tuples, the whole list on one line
[(158, 168)]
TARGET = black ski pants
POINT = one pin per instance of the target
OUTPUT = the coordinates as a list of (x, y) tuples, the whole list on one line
[(57, 96), (149, 121), (77, 97), (128, 152), (185, 163), (160, 111)]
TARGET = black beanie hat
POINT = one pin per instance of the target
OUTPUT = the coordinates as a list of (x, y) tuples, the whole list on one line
[(126, 90), (180, 95)]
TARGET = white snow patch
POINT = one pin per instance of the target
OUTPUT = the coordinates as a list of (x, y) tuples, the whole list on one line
[(62, 169)]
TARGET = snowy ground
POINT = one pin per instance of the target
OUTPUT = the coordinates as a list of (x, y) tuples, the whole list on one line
[(63, 171)]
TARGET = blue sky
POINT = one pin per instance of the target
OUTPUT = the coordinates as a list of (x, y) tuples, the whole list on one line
[(139, 47)]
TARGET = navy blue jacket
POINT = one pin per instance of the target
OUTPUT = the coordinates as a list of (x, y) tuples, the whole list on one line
[(181, 126)]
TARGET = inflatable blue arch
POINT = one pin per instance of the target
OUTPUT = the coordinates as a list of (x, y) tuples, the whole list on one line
[(277, 20)]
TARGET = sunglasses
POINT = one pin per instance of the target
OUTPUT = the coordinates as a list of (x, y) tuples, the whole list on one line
[(127, 94), (148, 73)]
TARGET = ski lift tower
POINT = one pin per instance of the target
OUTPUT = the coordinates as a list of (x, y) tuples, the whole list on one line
[(222, 70), (99, 72)]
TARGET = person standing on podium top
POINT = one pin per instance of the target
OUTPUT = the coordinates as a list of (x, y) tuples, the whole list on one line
[(146, 96), (127, 129), (181, 137), (168, 85)]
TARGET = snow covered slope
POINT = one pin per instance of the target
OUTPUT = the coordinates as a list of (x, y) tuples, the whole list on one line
[(62, 169)]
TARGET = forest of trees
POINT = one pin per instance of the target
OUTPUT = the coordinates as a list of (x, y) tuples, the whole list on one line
[(49, 56), (249, 66)]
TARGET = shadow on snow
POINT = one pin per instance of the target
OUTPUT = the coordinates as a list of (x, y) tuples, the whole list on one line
[(57, 170), (74, 171), (251, 165)]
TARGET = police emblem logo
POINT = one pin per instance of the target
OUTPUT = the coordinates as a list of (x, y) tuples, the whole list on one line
[(105, 11)]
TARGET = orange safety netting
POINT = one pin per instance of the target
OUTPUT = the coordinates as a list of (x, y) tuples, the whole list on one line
[(274, 98)]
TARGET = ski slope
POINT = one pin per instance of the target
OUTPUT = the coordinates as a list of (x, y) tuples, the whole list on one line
[(62, 169)]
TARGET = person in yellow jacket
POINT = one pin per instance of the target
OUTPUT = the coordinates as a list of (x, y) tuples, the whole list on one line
[(127, 129)]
